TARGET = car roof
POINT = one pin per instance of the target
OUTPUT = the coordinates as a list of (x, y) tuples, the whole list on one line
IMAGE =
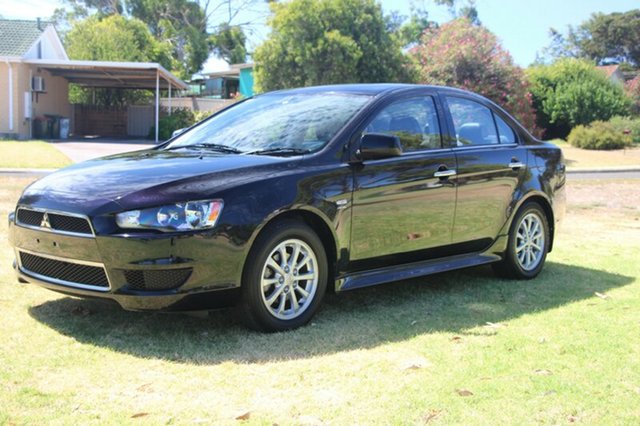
[(371, 89)]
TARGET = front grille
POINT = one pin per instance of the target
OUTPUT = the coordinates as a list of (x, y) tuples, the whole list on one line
[(56, 221), (30, 217), (64, 272), (155, 280), (74, 224)]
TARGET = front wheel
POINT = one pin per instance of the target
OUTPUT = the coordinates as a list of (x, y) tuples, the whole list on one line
[(285, 278), (528, 244)]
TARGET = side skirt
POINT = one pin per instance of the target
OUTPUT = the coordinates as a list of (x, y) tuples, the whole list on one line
[(412, 270)]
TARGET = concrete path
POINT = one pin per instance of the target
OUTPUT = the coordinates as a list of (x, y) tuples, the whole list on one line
[(603, 174), (82, 150)]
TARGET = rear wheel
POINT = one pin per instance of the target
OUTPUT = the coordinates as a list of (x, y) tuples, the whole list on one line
[(285, 277), (528, 244)]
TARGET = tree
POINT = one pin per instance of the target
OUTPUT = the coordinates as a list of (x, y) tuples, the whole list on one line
[(113, 38), (182, 24), (572, 92), (328, 41), (603, 37), (410, 32), (469, 56), (229, 42)]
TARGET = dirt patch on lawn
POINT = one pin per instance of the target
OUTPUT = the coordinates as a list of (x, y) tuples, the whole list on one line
[(585, 158), (605, 194)]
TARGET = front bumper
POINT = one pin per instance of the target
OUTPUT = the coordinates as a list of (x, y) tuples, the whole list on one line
[(150, 272)]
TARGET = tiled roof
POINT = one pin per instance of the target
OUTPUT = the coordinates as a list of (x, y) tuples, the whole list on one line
[(16, 36), (608, 69), (633, 84)]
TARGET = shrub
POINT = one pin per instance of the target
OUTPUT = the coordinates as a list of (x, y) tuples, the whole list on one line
[(598, 135), (627, 125), (571, 92), (198, 116), (179, 119), (167, 124)]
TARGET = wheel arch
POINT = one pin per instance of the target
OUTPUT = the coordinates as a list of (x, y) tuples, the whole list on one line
[(544, 202), (318, 223)]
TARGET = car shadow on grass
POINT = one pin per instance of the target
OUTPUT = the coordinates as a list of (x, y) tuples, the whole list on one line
[(451, 302)]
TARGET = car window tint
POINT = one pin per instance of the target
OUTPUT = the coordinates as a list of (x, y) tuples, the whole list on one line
[(472, 121), (414, 121), (506, 133)]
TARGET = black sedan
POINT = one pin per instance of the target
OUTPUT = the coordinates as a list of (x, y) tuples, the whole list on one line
[(269, 202)]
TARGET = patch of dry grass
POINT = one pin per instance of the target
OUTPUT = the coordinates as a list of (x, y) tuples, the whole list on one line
[(460, 347), (577, 158)]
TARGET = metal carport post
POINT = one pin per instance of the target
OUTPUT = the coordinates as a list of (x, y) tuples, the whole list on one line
[(157, 103)]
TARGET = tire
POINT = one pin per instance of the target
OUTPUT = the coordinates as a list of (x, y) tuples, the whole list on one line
[(280, 292), (528, 244)]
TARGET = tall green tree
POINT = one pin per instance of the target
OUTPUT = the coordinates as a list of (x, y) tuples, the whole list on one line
[(571, 92), (328, 41), (113, 38), (462, 54), (229, 42), (182, 24), (614, 36)]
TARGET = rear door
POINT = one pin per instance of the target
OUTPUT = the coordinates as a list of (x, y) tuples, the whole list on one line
[(402, 211), (490, 168)]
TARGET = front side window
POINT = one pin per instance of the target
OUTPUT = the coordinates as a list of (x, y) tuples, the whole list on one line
[(272, 122), (414, 121), (472, 122)]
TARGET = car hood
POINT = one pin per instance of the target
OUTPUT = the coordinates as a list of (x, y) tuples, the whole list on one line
[(150, 177)]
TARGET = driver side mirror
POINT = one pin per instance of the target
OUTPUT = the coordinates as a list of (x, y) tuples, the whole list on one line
[(375, 146)]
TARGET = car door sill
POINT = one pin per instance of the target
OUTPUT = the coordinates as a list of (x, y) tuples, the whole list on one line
[(412, 270)]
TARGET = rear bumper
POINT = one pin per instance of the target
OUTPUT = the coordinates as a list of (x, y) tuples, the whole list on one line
[(150, 273)]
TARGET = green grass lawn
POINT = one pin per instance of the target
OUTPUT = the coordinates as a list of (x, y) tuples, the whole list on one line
[(31, 155), (462, 347)]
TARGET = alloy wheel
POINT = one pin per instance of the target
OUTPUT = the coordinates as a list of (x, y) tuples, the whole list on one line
[(289, 279)]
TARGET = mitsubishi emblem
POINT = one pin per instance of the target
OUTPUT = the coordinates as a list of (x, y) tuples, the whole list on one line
[(45, 221)]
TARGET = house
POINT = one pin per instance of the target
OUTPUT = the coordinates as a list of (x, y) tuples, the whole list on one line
[(238, 79), (35, 73), (613, 73), (20, 100)]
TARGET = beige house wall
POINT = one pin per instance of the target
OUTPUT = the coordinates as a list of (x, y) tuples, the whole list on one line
[(55, 99)]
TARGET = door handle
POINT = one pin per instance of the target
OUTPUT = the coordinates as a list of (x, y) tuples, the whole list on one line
[(444, 173), (515, 164)]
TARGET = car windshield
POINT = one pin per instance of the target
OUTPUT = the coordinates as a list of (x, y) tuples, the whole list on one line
[(274, 124)]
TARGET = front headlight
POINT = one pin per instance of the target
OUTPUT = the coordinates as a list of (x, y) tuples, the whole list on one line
[(188, 216)]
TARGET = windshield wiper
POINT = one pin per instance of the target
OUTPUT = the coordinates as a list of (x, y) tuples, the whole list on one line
[(278, 151), (211, 146)]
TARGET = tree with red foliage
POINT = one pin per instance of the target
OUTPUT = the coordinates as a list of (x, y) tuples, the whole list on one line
[(461, 54)]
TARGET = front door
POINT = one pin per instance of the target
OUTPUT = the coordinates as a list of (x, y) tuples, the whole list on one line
[(402, 211)]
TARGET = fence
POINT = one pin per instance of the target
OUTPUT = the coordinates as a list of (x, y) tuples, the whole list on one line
[(197, 104)]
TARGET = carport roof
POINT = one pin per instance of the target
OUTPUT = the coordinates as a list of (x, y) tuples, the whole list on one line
[(120, 75)]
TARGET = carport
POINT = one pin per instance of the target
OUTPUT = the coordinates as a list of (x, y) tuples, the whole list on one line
[(115, 75)]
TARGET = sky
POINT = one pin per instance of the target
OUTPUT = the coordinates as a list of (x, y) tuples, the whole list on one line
[(522, 25)]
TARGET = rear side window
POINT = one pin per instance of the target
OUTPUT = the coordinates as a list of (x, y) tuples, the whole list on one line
[(506, 133), (472, 122), (414, 121)]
